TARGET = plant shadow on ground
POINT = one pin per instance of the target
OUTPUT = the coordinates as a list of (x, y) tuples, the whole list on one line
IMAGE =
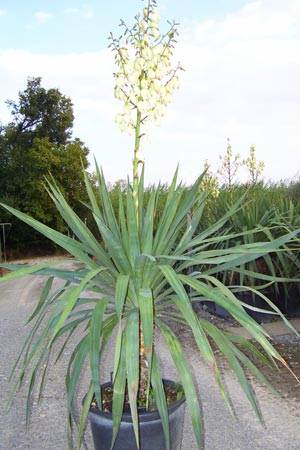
[(282, 379)]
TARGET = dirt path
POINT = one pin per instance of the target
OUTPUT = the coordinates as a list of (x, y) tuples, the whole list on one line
[(17, 300)]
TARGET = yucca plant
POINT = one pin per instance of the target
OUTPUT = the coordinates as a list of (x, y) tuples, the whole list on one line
[(287, 263), (261, 218), (140, 272), (139, 282)]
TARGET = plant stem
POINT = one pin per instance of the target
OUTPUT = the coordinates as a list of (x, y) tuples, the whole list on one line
[(143, 392), (136, 164)]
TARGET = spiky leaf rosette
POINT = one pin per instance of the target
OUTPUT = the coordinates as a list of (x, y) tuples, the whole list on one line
[(140, 277)]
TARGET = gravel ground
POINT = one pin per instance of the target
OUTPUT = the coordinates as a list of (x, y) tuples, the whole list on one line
[(281, 429)]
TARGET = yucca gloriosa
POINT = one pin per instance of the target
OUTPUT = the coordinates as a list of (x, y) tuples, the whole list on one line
[(142, 278), (261, 218), (140, 281)]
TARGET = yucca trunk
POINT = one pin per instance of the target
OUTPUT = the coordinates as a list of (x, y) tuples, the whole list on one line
[(144, 372)]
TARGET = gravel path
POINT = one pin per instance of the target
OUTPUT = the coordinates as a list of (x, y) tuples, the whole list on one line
[(47, 432)]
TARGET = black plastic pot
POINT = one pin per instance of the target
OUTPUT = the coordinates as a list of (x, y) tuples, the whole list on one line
[(150, 428), (289, 299), (250, 299)]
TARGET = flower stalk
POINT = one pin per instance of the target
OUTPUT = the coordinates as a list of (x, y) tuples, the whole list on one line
[(137, 162), (144, 79)]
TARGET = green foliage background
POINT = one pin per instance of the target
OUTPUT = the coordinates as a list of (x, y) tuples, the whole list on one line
[(36, 143)]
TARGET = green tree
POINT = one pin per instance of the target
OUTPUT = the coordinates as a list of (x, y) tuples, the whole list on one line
[(42, 113), (36, 143)]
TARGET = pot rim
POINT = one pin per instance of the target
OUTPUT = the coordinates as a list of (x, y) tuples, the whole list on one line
[(142, 412)]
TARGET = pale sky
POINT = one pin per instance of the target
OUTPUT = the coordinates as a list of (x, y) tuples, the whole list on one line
[(241, 79)]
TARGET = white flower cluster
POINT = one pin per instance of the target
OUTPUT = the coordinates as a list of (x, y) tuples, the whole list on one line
[(145, 79), (209, 182), (230, 166), (255, 168)]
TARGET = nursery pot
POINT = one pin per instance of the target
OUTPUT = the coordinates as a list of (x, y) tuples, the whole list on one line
[(150, 428), (251, 299)]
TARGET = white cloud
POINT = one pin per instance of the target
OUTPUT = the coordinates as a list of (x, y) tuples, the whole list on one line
[(84, 76), (42, 17), (87, 11), (71, 10), (84, 11), (3, 12), (241, 82), (256, 20)]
